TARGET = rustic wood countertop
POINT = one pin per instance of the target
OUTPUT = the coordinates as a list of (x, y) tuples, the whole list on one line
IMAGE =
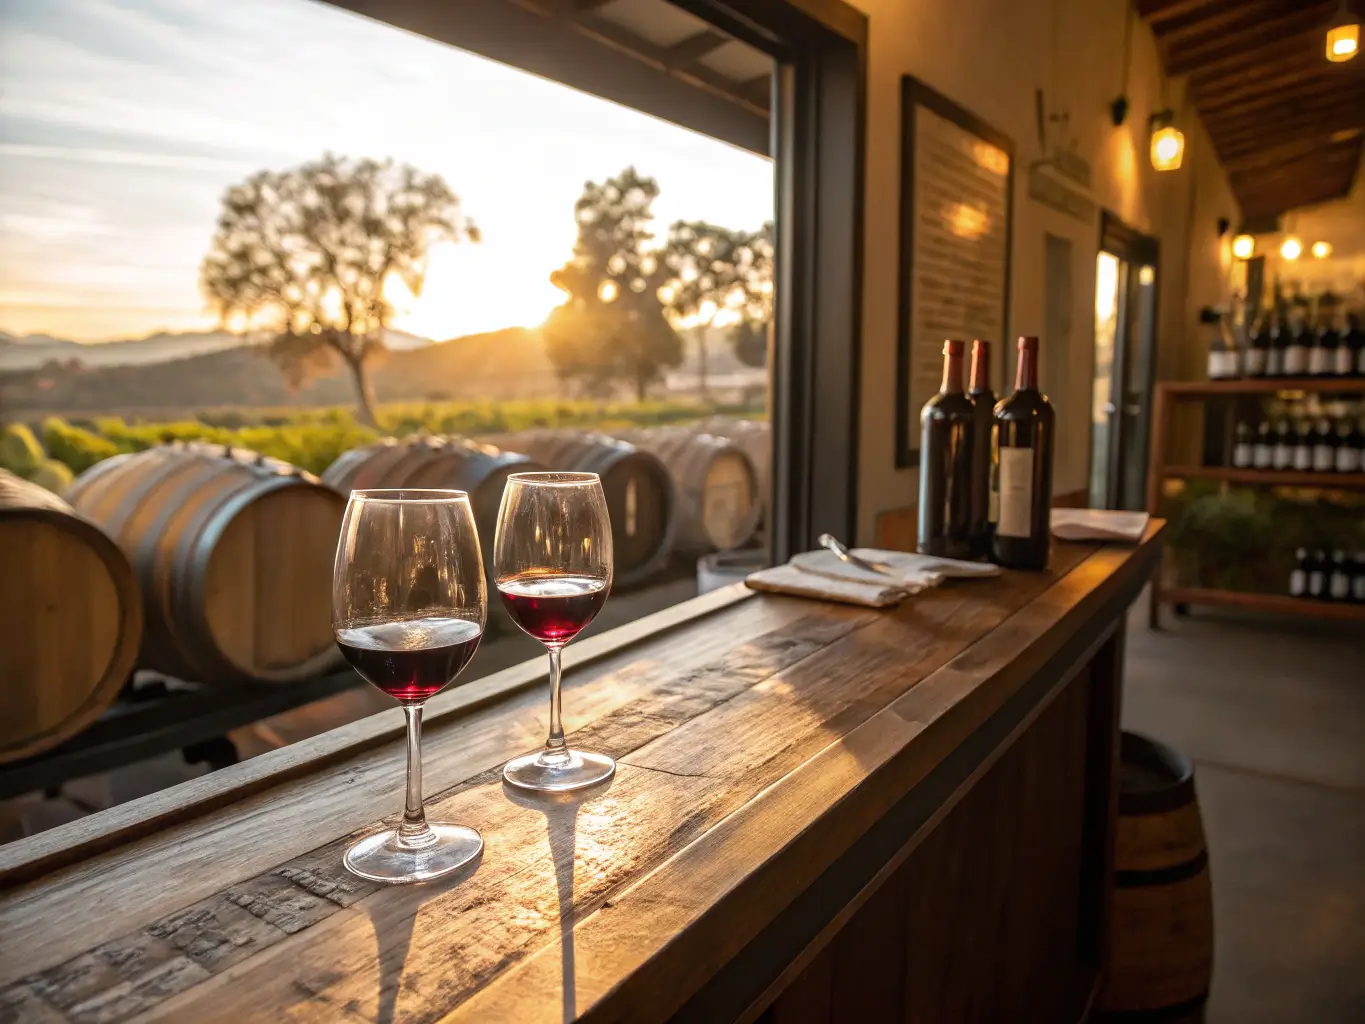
[(757, 737)]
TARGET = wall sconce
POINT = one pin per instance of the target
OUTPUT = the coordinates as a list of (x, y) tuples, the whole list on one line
[(1243, 246), (1321, 250), (1343, 38), (1168, 142), (1291, 249)]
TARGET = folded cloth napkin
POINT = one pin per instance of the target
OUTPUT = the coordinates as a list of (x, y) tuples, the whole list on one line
[(822, 574), (1099, 524)]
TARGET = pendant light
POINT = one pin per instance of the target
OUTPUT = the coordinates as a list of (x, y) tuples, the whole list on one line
[(1168, 142), (1343, 38)]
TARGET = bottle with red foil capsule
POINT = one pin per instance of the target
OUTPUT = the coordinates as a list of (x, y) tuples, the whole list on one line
[(1025, 426), (945, 472), (983, 427)]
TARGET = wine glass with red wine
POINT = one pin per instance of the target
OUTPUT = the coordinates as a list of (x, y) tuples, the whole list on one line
[(552, 562), (408, 608)]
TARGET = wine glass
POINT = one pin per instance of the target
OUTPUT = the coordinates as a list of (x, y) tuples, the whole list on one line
[(552, 564), (408, 610)]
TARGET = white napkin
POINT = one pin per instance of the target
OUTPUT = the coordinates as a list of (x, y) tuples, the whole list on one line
[(822, 574), (1099, 524)]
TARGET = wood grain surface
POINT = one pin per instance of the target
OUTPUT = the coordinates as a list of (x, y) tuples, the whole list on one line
[(757, 739)]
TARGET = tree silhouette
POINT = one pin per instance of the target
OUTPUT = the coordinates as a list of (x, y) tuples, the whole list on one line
[(306, 254), (722, 276), (613, 326)]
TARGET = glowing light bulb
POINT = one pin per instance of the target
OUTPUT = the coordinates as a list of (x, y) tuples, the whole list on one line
[(1243, 246), (1321, 250), (1343, 41), (1291, 249), (1168, 148)]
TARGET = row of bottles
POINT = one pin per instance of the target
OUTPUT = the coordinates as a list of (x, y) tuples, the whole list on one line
[(1322, 577), (985, 482), (1286, 342), (1306, 444)]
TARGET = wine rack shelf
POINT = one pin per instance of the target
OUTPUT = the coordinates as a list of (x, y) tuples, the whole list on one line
[(1269, 477), (1168, 395)]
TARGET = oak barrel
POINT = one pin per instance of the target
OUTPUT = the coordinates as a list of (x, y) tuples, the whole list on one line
[(639, 491), (716, 484), (70, 620), (442, 462), (233, 551), (755, 437), (1161, 937)]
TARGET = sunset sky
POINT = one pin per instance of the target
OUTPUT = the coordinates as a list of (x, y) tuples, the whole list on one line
[(123, 121)]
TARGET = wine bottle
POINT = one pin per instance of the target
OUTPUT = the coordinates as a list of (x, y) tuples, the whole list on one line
[(1025, 425), (1344, 361), (945, 472), (1355, 343), (983, 426), (1339, 581), (1263, 451), (1298, 579), (1317, 575), (1324, 447), (1258, 351), (1303, 446), (1350, 447), (1241, 448), (1284, 446), (1358, 578), (1296, 350), (1222, 356), (1322, 351)]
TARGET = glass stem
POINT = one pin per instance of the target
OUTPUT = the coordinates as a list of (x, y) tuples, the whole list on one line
[(555, 744), (414, 831)]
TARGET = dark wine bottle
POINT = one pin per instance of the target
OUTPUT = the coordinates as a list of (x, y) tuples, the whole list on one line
[(1279, 339), (1283, 456), (1344, 362), (945, 472), (1350, 447), (1322, 351), (1358, 578), (1355, 343), (1303, 446), (1296, 348), (1339, 581), (1263, 451), (1241, 448), (1324, 447), (1025, 425), (983, 426), (1258, 351), (1298, 578), (1317, 575)]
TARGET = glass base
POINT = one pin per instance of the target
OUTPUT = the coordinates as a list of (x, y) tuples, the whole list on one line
[(387, 857), (557, 772)]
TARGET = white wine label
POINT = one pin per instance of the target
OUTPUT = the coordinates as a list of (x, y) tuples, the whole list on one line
[(1348, 459), (1323, 459), (1260, 456), (1358, 587), (1342, 361), (1316, 582), (1303, 457), (1318, 361), (1255, 362), (1016, 492), (1295, 360), (1298, 583), (1341, 585), (1284, 456), (1241, 455)]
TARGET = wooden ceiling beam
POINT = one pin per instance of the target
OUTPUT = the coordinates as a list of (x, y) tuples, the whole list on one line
[(1288, 121), (1263, 37), (1204, 28), (1271, 156), (1157, 12), (1220, 94), (1308, 95), (1256, 58)]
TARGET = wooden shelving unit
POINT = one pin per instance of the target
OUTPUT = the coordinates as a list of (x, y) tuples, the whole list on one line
[(1168, 394)]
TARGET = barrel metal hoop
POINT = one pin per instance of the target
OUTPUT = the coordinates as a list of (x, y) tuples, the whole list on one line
[(1174, 1012), (124, 510), (1141, 879)]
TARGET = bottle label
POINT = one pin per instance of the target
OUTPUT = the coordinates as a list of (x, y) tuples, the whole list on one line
[(1323, 458), (1284, 456), (1316, 582), (1318, 361), (1241, 455), (1341, 585), (1274, 363), (1261, 456), (1348, 459), (1358, 587), (1341, 363), (1303, 457), (1255, 362), (1016, 493), (1295, 360), (1298, 583)]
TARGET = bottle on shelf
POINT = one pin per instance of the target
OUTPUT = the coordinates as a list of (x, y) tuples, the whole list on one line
[(1279, 337), (1350, 457), (983, 426), (1344, 357), (945, 477), (1025, 425), (1283, 457), (1242, 447), (1223, 356), (1355, 344), (1263, 450), (1339, 581), (1298, 578), (1296, 344), (1322, 351), (1324, 447), (1258, 348), (1317, 575), (1358, 578), (1303, 445)]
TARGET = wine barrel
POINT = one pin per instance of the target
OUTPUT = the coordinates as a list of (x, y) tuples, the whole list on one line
[(455, 463), (234, 553), (716, 484), (638, 488), (755, 437), (70, 620), (1161, 921)]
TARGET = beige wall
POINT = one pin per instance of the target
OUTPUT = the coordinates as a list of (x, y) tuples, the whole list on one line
[(990, 56)]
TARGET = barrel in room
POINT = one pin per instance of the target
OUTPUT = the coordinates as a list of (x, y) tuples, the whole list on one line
[(437, 462), (70, 620), (639, 492), (1161, 925), (233, 551), (716, 483)]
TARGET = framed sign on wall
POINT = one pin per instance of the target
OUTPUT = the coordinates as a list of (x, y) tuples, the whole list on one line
[(957, 189)]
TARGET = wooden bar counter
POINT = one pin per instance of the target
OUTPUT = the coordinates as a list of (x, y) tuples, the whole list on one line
[(821, 813)]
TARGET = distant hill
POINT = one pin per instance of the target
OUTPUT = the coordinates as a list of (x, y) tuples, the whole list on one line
[(510, 363), (33, 350)]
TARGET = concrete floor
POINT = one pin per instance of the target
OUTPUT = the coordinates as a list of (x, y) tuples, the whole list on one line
[(1273, 713)]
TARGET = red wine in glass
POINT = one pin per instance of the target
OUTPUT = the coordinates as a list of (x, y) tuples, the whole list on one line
[(552, 608), (411, 659)]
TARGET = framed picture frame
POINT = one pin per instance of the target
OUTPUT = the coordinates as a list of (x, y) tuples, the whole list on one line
[(956, 228)]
